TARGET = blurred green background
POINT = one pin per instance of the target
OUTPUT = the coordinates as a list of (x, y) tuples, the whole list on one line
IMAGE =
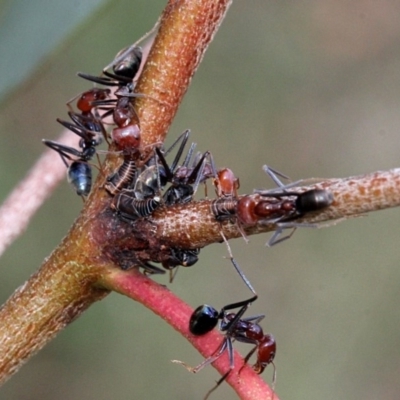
[(310, 87)]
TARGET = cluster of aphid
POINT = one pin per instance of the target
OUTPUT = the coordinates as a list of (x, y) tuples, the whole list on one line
[(137, 190)]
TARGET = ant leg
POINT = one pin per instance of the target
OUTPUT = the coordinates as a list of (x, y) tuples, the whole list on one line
[(96, 79), (274, 175), (198, 173), (62, 150), (274, 238), (238, 269), (172, 273), (132, 46), (150, 269), (169, 173), (189, 155), (223, 377), (211, 163), (68, 104), (208, 360), (247, 358), (184, 137)]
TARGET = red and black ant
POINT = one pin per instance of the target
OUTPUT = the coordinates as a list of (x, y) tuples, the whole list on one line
[(79, 171), (246, 330), (124, 70), (286, 207), (126, 137)]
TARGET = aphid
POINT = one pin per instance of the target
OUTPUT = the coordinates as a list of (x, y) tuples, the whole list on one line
[(185, 179), (131, 208), (121, 178), (224, 209), (148, 183)]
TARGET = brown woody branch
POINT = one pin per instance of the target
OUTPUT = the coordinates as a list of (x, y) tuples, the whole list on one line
[(87, 264), (194, 225)]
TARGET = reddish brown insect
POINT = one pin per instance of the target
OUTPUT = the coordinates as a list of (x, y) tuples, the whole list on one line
[(226, 184)]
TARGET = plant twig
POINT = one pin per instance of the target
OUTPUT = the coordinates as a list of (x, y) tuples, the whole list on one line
[(353, 197), (87, 264), (176, 313)]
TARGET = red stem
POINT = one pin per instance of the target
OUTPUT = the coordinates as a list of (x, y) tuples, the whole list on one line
[(248, 385)]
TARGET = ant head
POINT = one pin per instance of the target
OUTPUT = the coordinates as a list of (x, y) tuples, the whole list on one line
[(226, 183), (86, 99)]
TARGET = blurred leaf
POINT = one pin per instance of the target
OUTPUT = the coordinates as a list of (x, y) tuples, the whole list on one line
[(28, 22)]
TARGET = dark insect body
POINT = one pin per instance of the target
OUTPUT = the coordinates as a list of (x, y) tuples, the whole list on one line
[(79, 172), (185, 179), (124, 70)]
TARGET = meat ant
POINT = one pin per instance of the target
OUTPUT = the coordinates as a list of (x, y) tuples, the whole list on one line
[(246, 330), (79, 172), (124, 70), (126, 136), (125, 65), (284, 209)]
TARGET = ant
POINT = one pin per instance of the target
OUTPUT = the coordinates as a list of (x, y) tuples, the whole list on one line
[(246, 330), (126, 137), (124, 70), (79, 172), (125, 66), (89, 117), (282, 210)]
